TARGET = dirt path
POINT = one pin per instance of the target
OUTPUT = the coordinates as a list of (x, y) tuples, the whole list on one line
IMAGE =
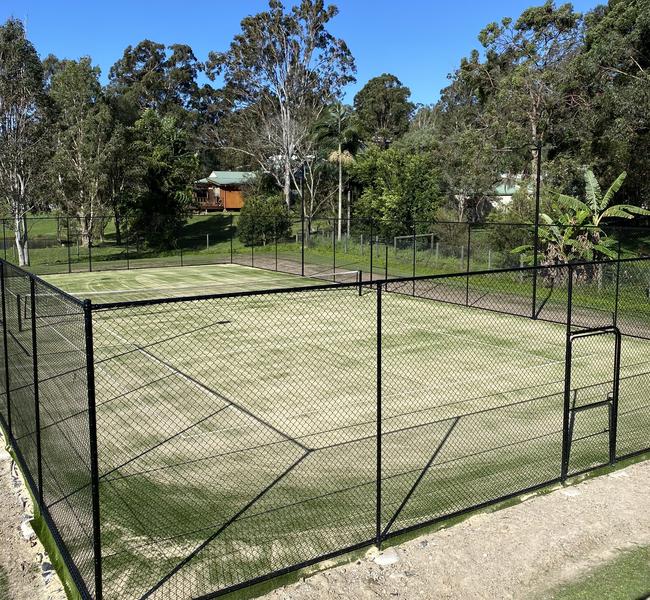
[(523, 551), (26, 570)]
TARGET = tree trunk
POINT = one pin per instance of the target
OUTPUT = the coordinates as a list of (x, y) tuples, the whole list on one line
[(21, 241), (340, 219), (287, 184), (85, 230), (348, 223), (118, 229)]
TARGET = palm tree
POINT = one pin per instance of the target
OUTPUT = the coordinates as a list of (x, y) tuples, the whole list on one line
[(337, 129)]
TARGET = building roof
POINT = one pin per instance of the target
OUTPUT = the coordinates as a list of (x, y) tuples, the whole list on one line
[(505, 189), (228, 178)]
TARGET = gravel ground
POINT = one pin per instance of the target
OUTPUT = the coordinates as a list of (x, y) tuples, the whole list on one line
[(28, 574), (524, 551)]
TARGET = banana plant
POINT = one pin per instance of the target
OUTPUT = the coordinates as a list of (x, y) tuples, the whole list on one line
[(575, 231)]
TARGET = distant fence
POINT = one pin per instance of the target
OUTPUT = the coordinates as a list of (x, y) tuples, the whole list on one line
[(188, 447)]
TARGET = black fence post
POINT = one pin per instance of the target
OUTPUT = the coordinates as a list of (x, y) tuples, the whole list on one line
[(275, 238), (386, 261), (37, 404), (67, 225), (126, 234), (467, 262), (618, 281), (90, 255), (302, 236), (414, 259), (253, 246), (538, 182), (4, 238), (6, 348), (378, 535), (613, 409), (371, 252), (94, 459), (181, 251), (334, 253), (232, 234), (567, 379)]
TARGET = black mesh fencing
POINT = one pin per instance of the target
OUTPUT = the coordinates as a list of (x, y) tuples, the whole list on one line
[(319, 248), (228, 438), (45, 413)]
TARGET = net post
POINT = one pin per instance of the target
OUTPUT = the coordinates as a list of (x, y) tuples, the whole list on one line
[(94, 459), (181, 252), (37, 403), (6, 349), (360, 281), (567, 378), (4, 238), (378, 529), (90, 254)]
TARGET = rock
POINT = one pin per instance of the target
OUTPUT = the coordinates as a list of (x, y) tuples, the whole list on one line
[(26, 531), (386, 558)]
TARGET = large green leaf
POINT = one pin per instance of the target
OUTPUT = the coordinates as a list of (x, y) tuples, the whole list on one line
[(623, 211), (572, 203), (609, 194), (592, 190), (606, 250)]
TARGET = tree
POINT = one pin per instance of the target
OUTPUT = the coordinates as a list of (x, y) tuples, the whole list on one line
[(166, 167), (23, 107), (401, 190), (154, 76), (383, 110), (336, 130), (611, 76), (84, 143), (280, 73), (525, 70)]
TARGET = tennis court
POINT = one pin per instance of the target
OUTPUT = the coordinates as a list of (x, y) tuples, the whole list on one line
[(241, 435)]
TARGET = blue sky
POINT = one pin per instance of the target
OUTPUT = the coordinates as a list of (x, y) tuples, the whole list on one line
[(420, 41)]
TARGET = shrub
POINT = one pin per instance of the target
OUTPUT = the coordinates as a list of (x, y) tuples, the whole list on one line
[(263, 220)]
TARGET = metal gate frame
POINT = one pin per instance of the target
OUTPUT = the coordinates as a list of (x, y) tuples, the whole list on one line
[(611, 402)]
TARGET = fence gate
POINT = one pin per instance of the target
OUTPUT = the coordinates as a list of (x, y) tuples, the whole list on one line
[(591, 399)]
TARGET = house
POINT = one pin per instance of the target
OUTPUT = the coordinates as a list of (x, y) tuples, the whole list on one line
[(222, 190)]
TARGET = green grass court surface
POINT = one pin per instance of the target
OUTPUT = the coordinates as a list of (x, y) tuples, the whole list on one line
[(144, 284), (242, 432)]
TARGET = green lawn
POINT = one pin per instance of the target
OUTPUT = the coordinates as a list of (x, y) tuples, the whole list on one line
[(242, 431), (627, 577)]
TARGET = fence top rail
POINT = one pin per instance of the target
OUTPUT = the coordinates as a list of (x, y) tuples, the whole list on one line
[(383, 282), (44, 283)]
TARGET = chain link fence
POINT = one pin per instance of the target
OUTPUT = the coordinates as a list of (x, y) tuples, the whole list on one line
[(188, 447)]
